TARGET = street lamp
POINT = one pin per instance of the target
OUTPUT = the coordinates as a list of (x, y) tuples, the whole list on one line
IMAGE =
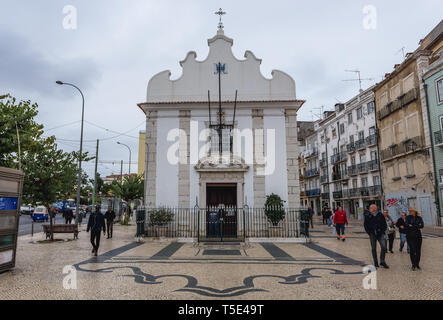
[(129, 156), (81, 148)]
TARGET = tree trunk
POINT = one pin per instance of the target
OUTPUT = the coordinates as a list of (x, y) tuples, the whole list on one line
[(50, 223)]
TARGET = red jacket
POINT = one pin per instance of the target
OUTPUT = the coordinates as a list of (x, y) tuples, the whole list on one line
[(340, 217)]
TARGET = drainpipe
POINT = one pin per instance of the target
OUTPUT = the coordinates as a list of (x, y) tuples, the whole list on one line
[(379, 158), (437, 193)]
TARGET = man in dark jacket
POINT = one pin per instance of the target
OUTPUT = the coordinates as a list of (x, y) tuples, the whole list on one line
[(401, 225), (96, 223), (109, 217), (68, 215), (375, 226), (310, 216)]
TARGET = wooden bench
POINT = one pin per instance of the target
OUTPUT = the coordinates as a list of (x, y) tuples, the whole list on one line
[(61, 228)]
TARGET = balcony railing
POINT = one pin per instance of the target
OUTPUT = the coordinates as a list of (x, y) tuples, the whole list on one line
[(407, 146), (372, 165), (324, 179), (360, 144), (323, 163), (399, 103), (325, 196), (365, 191), (351, 147), (362, 167), (338, 157), (337, 194), (312, 173), (313, 192), (353, 170), (438, 137), (311, 153), (371, 140), (302, 193), (339, 175)]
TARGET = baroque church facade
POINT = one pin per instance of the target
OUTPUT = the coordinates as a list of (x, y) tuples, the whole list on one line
[(221, 133)]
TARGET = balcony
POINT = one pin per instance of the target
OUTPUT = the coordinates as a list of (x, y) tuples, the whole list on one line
[(438, 138), (337, 194), (372, 165), (350, 147), (360, 144), (339, 157), (323, 163), (372, 140), (375, 190), (311, 153), (325, 196), (312, 173), (324, 179), (362, 167), (366, 191), (405, 147), (313, 192), (352, 170), (340, 194), (397, 104), (302, 193), (339, 175)]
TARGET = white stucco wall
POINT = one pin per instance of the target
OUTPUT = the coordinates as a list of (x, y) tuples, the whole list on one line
[(167, 174), (278, 181)]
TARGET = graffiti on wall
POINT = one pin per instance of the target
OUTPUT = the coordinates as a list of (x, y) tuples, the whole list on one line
[(396, 204)]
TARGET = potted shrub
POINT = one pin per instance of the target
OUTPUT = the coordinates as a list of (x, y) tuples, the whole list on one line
[(159, 219), (274, 212)]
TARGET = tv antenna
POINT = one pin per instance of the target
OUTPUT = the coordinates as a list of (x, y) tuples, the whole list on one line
[(359, 78), (402, 50)]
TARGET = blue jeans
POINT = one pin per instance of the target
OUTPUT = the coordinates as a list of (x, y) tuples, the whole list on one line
[(329, 222), (340, 229), (403, 240)]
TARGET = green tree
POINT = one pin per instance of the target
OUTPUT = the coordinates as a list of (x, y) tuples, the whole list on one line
[(19, 117), (49, 175), (274, 209), (131, 188)]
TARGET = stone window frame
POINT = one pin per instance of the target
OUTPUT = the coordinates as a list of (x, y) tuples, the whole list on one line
[(359, 113), (439, 99)]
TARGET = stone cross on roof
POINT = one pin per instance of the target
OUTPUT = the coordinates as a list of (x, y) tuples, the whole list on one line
[(220, 12)]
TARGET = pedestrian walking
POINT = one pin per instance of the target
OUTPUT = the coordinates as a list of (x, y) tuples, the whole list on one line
[(96, 223), (390, 231), (310, 215), (340, 220), (375, 226), (413, 236), (68, 215), (328, 215), (109, 217), (323, 213), (401, 225)]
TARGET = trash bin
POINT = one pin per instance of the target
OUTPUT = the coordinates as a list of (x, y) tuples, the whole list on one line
[(140, 219), (304, 223)]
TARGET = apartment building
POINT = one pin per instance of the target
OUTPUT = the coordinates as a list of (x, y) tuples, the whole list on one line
[(348, 166)]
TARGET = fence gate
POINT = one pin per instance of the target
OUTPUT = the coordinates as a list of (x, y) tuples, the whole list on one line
[(220, 224)]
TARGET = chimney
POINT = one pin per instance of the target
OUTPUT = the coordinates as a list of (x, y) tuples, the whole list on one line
[(387, 75)]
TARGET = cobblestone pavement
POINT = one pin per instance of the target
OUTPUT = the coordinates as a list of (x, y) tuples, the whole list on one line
[(323, 269)]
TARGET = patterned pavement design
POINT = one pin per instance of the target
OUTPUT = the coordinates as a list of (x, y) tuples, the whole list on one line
[(126, 269)]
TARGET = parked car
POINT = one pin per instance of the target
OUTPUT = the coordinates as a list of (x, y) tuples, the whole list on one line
[(28, 210), (40, 214)]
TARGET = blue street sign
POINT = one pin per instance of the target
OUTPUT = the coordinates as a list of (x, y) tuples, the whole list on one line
[(8, 204)]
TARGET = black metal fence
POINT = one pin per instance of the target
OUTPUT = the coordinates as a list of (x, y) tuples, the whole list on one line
[(223, 224)]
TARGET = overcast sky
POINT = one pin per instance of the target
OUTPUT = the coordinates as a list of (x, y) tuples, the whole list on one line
[(119, 45)]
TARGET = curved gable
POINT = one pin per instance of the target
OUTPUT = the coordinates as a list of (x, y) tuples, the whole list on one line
[(199, 76)]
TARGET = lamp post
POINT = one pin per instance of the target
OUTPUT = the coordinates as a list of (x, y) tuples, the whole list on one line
[(129, 157), (81, 148)]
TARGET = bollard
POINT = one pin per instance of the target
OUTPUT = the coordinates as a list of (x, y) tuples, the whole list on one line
[(32, 230)]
